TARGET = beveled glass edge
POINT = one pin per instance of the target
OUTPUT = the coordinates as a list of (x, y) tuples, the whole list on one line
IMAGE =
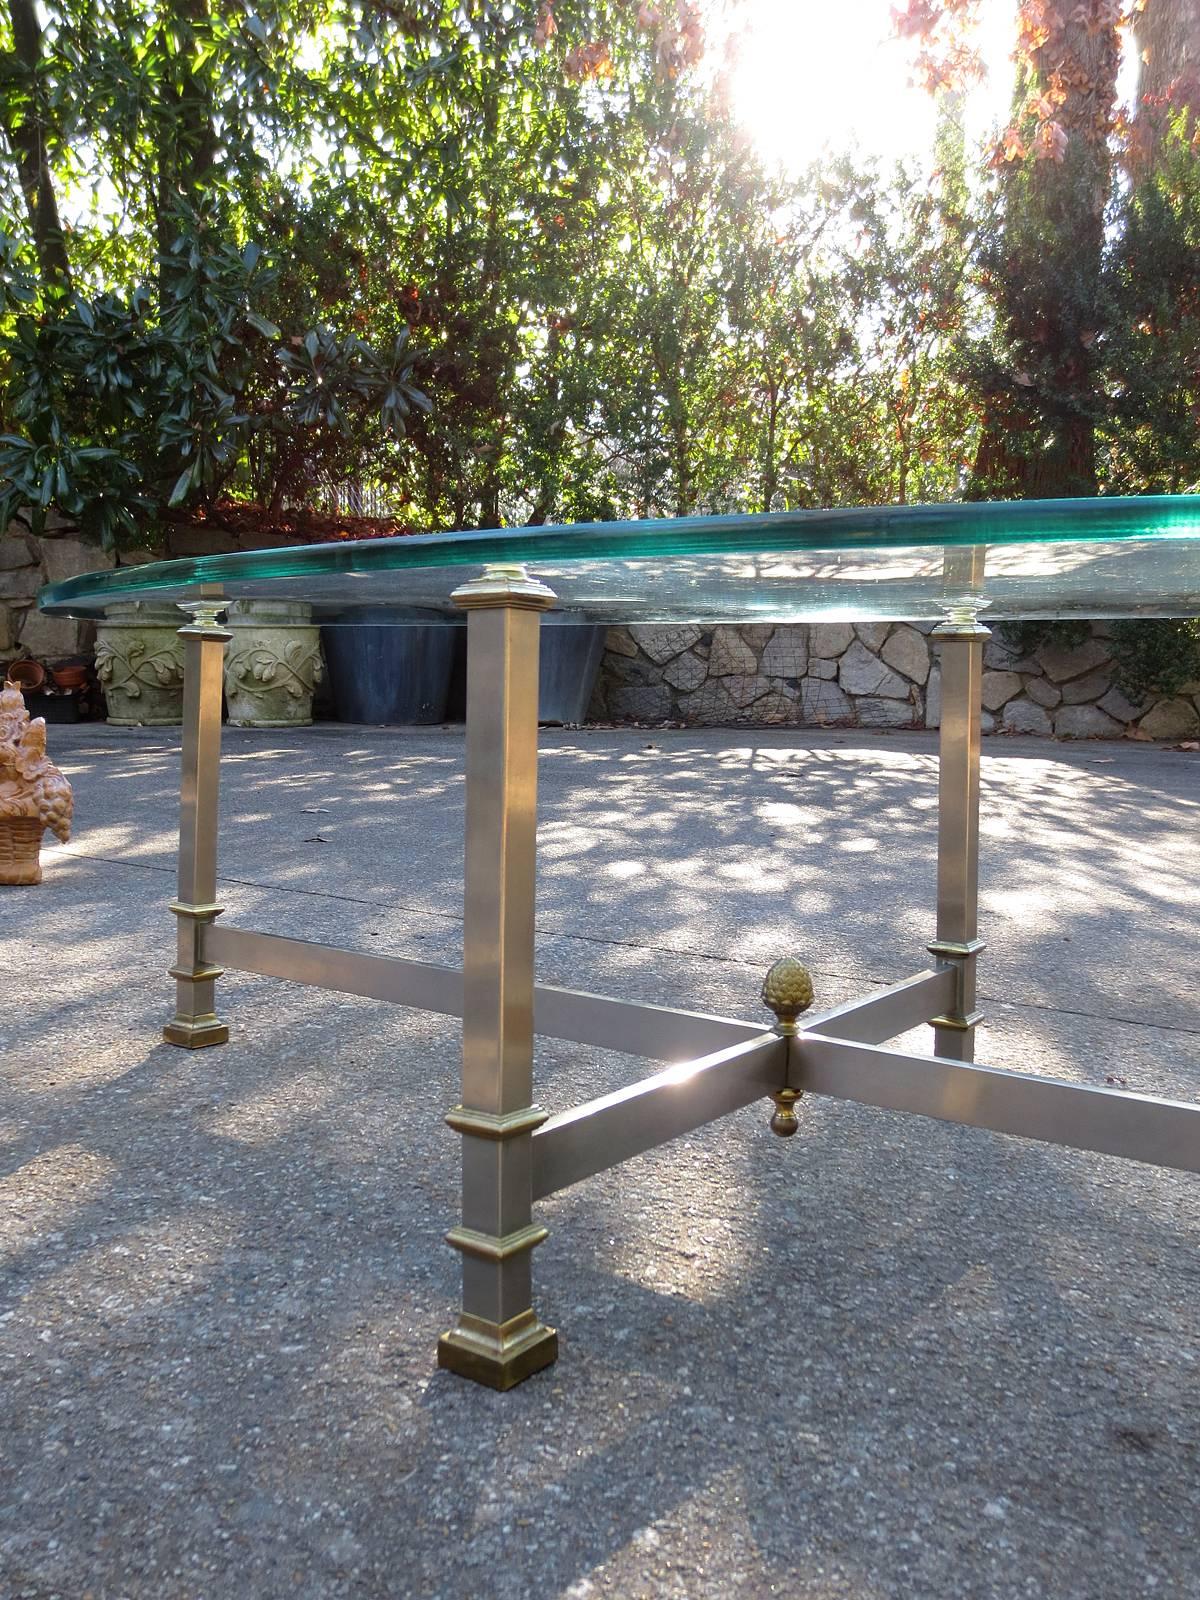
[(957, 523)]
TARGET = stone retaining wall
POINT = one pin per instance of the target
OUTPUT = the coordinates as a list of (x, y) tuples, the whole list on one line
[(26, 564), (867, 675)]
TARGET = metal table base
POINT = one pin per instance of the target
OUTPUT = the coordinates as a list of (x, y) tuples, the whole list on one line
[(513, 1152)]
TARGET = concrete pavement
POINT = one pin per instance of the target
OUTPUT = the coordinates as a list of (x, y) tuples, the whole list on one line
[(887, 1358)]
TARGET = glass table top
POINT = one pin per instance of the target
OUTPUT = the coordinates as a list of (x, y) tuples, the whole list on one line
[(1106, 557)]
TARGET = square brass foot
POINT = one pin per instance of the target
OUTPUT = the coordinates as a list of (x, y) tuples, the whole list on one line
[(195, 1035), (498, 1354)]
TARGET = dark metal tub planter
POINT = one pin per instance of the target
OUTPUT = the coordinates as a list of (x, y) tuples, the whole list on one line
[(568, 666), (388, 671)]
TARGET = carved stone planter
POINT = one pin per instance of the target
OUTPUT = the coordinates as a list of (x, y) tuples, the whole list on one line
[(272, 664), (139, 661)]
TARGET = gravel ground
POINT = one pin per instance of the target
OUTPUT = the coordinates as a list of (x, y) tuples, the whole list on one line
[(886, 1358)]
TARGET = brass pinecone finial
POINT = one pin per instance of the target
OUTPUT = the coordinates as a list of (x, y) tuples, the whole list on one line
[(784, 1121), (787, 991)]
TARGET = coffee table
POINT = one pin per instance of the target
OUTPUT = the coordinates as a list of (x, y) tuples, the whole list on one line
[(945, 565)]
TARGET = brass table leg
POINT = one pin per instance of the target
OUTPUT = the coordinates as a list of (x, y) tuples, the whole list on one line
[(195, 1023), (957, 943), (498, 1340)]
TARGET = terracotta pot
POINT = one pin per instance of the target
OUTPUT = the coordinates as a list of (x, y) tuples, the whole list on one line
[(69, 677), (26, 674)]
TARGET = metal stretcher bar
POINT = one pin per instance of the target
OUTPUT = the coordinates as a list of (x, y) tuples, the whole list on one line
[(1110, 1121), (656, 1032)]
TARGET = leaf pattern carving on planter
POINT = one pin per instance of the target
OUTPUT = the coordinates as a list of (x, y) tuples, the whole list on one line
[(258, 669), (136, 666)]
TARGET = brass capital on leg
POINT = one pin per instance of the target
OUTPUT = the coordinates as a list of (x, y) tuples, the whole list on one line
[(195, 1023)]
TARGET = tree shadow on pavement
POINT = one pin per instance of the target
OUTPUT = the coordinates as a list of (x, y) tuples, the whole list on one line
[(889, 1357)]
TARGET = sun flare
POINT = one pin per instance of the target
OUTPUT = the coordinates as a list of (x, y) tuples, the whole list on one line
[(810, 79)]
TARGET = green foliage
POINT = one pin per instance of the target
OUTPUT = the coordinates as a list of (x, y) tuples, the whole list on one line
[(1151, 655), (1087, 373), (1156, 656), (1026, 637), (558, 236), (120, 407), (1149, 437), (614, 309), (1036, 366)]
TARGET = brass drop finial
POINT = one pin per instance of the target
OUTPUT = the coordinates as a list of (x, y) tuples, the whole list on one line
[(787, 991), (784, 1120)]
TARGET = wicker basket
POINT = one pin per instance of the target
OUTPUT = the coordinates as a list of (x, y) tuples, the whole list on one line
[(20, 849)]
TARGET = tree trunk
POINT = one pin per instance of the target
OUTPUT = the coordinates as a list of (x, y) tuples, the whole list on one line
[(683, 474), (770, 470), (26, 130), (288, 468), (489, 500), (1168, 40)]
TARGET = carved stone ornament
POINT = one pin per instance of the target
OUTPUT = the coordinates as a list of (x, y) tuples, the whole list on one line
[(34, 795), (139, 662), (272, 664)]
